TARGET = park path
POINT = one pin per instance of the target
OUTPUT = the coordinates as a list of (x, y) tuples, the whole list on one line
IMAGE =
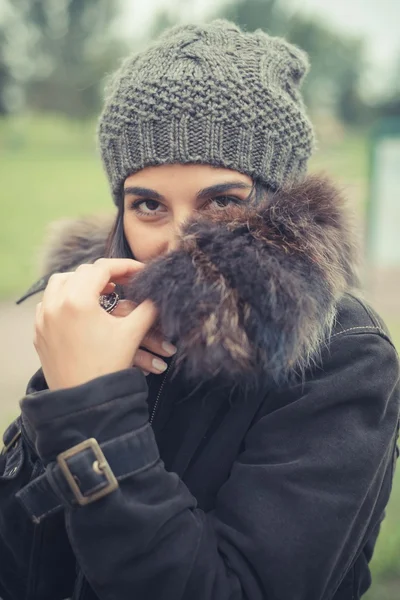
[(18, 359)]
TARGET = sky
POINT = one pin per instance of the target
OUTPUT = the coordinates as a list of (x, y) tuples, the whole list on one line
[(375, 20)]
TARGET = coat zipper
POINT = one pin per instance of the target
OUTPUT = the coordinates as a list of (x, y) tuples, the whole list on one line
[(157, 401)]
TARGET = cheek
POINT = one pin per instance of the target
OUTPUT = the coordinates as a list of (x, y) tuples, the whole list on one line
[(145, 240)]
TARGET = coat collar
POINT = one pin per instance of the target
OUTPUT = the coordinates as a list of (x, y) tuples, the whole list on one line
[(252, 290)]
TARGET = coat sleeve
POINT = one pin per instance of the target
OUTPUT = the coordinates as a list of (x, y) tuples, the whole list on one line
[(15, 472), (22, 574), (300, 502)]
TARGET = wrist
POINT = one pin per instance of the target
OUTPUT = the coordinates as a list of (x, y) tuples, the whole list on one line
[(103, 408)]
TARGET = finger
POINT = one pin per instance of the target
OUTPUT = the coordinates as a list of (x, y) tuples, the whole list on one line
[(54, 288), (38, 314), (121, 267), (149, 363), (88, 281), (110, 287), (158, 344), (141, 320), (123, 280), (37, 324), (123, 308), (38, 311)]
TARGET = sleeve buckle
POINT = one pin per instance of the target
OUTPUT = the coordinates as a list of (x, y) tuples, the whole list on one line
[(100, 466)]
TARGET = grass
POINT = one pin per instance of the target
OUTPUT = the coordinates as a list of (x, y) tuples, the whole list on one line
[(49, 169)]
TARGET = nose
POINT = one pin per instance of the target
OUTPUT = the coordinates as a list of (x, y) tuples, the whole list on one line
[(179, 219)]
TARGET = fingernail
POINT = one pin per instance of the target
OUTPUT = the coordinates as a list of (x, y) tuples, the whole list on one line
[(159, 365), (145, 373), (169, 348)]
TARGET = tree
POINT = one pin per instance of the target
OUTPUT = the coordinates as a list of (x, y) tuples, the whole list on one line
[(5, 75), (67, 48), (256, 14), (389, 105), (337, 61)]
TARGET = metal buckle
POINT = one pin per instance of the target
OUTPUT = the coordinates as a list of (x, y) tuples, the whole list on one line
[(100, 466), (10, 444)]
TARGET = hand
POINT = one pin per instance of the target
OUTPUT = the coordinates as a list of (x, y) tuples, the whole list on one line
[(76, 340), (153, 341)]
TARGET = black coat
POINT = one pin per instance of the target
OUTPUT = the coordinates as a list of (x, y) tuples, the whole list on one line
[(266, 487)]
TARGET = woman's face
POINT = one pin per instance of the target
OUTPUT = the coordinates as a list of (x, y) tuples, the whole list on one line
[(158, 200)]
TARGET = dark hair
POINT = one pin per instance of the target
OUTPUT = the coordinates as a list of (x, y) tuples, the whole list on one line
[(117, 244)]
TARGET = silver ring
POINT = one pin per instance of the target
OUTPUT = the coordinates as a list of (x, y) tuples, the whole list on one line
[(109, 301)]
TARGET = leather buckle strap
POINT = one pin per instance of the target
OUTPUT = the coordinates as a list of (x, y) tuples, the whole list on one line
[(88, 471), (100, 466)]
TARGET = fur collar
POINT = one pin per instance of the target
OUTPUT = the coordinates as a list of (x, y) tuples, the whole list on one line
[(252, 290)]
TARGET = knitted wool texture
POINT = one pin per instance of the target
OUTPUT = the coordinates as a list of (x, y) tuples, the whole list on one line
[(208, 94)]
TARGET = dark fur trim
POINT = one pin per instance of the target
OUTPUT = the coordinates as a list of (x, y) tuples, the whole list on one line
[(253, 289), (74, 242), (70, 243)]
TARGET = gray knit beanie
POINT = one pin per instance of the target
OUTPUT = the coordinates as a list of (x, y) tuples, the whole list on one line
[(208, 94)]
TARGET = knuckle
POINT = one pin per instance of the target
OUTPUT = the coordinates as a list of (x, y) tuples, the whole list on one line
[(148, 340), (141, 359), (100, 262), (36, 335), (48, 314), (73, 303), (153, 339), (83, 267), (54, 278)]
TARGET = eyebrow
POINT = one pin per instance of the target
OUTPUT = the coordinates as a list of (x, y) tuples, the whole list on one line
[(219, 188)]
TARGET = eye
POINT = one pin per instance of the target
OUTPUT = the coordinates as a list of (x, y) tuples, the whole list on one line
[(148, 207)]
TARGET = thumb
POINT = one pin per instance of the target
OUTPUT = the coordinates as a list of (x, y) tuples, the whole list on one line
[(141, 319)]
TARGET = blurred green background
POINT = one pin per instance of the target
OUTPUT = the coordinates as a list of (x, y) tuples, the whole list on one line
[(54, 58)]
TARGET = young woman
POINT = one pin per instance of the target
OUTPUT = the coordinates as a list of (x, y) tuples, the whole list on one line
[(255, 460)]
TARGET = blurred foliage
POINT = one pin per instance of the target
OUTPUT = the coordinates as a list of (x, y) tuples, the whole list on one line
[(5, 75), (390, 105), (49, 171), (55, 54)]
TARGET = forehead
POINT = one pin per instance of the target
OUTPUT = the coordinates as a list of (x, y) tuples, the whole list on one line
[(190, 177)]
